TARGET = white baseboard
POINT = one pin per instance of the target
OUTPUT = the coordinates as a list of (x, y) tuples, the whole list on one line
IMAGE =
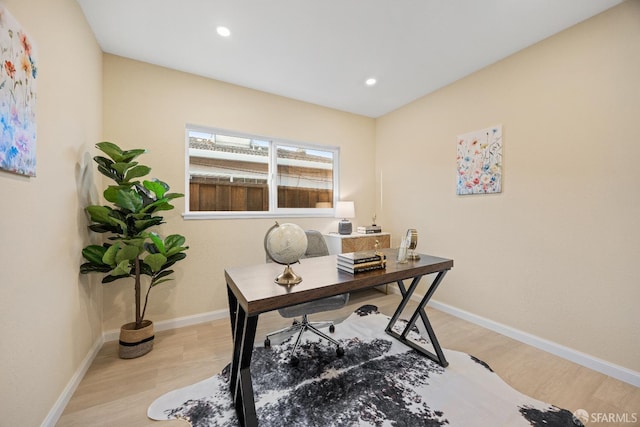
[(164, 325), (56, 411), (607, 368), (618, 372)]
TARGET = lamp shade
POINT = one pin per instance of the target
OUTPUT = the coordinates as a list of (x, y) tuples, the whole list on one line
[(345, 210)]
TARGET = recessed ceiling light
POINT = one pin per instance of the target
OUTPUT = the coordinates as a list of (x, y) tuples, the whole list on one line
[(223, 31), (370, 81)]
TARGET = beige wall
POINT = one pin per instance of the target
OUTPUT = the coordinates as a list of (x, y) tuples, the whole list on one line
[(556, 253), (553, 255), (49, 316), (149, 106)]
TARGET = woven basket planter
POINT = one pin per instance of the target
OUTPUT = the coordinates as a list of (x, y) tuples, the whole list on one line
[(136, 342)]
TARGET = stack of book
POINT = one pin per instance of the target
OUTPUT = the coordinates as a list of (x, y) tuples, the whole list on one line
[(359, 262), (369, 229)]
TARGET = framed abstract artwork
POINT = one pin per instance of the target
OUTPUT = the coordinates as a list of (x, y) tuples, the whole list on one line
[(18, 74), (479, 160)]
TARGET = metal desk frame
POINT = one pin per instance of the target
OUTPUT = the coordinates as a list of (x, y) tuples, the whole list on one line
[(251, 291)]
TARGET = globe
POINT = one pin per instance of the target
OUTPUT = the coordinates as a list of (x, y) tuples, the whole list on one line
[(286, 244)]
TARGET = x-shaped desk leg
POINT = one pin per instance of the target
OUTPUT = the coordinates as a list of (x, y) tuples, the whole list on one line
[(243, 329), (419, 312)]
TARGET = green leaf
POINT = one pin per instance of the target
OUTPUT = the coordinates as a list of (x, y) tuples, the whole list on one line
[(129, 200), (143, 224), (157, 282), (137, 242), (147, 196), (173, 195), (111, 278), (158, 242), (174, 244), (110, 194), (109, 256), (111, 150), (89, 267), (103, 161), (176, 250), (100, 214), (129, 155), (94, 254), (160, 278), (127, 253), (123, 226), (138, 216), (172, 259), (163, 274), (151, 248), (122, 269), (158, 205), (145, 269), (136, 172), (122, 167), (156, 187), (104, 228), (110, 173), (155, 261), (174, 240), (166, 206)]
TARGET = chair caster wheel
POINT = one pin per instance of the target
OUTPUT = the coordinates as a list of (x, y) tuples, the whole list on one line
[(267, 342), (340, 351), (332, 328), (294, 361)]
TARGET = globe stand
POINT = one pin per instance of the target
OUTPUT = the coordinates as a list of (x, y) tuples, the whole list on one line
[(288, 277), (285, 244)]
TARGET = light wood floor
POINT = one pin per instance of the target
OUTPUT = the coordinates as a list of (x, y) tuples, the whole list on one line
[(117, 392)]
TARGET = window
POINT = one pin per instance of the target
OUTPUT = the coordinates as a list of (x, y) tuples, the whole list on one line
[(234, 175)]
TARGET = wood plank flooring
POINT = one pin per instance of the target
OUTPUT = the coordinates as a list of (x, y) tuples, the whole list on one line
[(117, 392)]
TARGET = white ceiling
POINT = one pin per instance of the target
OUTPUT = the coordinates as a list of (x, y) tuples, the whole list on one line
[(321, 51)]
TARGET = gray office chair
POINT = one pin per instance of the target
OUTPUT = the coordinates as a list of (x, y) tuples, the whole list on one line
[(316, 246)]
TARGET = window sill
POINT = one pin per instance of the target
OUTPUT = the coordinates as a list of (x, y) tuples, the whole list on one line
[(293, 213)]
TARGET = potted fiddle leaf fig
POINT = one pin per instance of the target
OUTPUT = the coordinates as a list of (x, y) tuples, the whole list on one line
[(131, 249)]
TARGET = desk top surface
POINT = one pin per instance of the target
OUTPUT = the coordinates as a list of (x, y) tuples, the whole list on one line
[(257, 292)]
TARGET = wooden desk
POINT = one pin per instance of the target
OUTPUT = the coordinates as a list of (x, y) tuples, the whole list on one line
[(252, 290)]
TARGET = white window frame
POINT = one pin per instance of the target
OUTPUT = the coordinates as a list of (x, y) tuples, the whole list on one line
[(274, 211)]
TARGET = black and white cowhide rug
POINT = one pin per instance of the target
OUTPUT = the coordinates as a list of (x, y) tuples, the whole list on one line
[(378, 382)]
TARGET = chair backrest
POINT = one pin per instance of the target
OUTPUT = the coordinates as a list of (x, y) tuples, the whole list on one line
[(316, 245)]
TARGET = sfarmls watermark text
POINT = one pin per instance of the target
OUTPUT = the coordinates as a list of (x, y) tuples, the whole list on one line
[(584, 417)]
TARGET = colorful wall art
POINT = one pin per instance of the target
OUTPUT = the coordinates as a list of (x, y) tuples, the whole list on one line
[(18, 74), (479, 156)]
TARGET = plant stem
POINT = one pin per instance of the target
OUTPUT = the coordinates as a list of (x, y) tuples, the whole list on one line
[(146, 299)]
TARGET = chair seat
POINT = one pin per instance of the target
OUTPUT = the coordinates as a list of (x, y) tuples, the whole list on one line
[(311, 307), (316, 246)]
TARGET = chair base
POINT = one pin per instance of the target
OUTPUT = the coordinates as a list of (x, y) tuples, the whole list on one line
[(300, 328)]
